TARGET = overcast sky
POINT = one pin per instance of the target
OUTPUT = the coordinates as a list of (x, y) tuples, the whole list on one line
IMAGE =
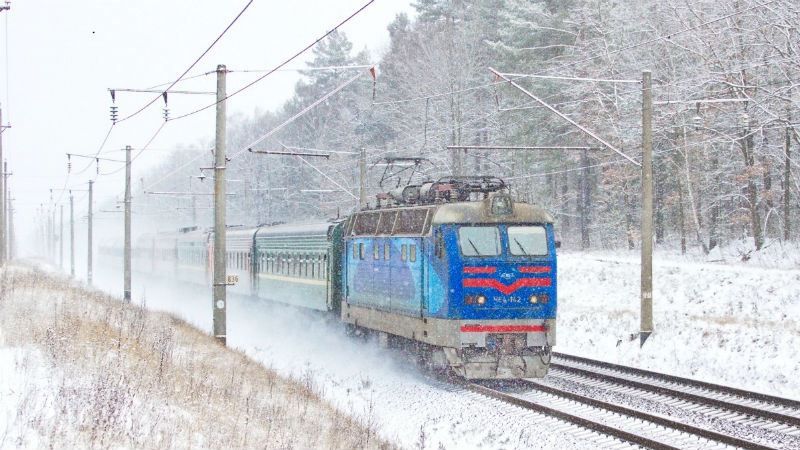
[(64, 55)]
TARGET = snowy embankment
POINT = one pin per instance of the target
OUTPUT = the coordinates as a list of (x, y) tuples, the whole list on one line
[(78, 369), (724, 321), (705, 328)]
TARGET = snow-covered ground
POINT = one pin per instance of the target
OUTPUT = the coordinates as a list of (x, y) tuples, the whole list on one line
[(79, 369), (725, 321)]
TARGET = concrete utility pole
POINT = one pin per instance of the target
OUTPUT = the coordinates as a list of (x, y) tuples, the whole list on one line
[(11, 237), (127, 253), (2, 200), (584, 200), (53, 236), (6, 196), (219, 299), (71, 236), (362, 179), (61, 240), (89, 255), (646, 327), (49, 231)]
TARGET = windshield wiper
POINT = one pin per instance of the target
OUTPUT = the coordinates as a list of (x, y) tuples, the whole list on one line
[(477, 253), (524, 252)]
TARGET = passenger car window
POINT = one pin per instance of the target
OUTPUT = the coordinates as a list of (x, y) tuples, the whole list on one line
[(479, 240), (387, 252), (412, 253), (403, 249), (527, 241)]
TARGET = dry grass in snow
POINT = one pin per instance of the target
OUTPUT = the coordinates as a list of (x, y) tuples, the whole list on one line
[(80, 369)]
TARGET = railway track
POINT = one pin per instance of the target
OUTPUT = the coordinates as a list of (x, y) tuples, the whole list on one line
[(754, 404), (652, 410), (628, 426), (756, 417)]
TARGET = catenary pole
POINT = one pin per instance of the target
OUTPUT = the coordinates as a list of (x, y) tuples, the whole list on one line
[(362, 179), (53, 236), (61, 239), (71, 236), (220, 283), (11, 237), (89, 238), (646, 327), (127, 252), (6, 196), (2, 200)]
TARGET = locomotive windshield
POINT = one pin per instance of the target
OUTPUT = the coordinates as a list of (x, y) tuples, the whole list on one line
[(479, 241), (527, 241), (484, 240)]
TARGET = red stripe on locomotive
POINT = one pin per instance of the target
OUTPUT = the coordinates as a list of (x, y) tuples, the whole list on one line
[(506, 290), (475, 269), (502, 328)]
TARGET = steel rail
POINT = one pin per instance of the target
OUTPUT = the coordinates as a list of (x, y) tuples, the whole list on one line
[(755, 396), (667, 423), (576, 420), (735, 407)]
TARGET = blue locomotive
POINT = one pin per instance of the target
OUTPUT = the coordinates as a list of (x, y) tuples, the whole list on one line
[(455, 267)]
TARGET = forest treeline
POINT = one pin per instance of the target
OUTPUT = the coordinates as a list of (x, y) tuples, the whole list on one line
[(725, 75)]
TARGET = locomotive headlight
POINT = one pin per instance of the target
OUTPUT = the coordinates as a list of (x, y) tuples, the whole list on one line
[(502, 205), (539, 299), (480, 299)]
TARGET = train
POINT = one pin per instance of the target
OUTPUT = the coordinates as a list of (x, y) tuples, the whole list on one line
[(455, 267)]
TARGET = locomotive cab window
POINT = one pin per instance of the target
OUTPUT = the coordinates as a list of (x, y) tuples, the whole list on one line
[(479, 240), (527, 241), (410, 222), (387, 222)]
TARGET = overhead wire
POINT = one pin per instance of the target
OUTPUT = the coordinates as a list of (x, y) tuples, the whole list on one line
[(139, 153), (8, 91), (279, 66), (650, 41), (197, 60)]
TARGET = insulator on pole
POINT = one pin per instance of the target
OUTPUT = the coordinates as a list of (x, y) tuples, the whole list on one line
[(97, 165), (69, 164), (114, 110), (166, 114)]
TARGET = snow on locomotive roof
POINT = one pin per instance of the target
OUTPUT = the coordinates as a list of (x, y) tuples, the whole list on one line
[(477, 212)]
